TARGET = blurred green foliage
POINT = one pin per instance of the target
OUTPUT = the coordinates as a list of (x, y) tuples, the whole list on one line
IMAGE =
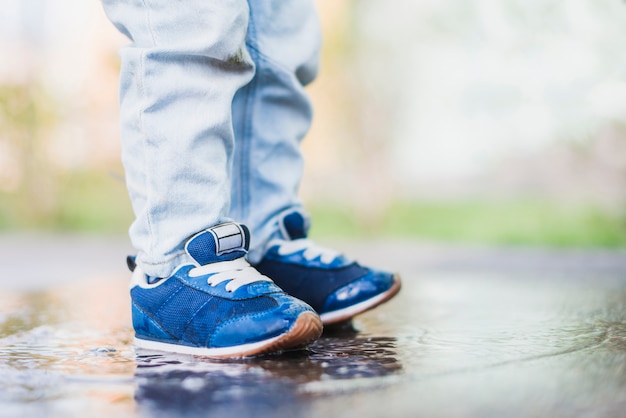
[(516, 222), (84, 201), (96, 201)]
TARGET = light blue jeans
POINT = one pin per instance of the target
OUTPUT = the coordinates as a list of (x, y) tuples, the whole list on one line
[(213, 110)]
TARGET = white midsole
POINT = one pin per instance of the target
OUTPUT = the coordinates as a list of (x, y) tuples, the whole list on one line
[(204, 351)]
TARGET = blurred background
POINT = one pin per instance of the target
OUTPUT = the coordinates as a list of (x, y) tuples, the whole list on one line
[(481, 121)]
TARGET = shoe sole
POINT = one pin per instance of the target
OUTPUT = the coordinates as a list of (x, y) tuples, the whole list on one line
[(306, 329), (345, 314)]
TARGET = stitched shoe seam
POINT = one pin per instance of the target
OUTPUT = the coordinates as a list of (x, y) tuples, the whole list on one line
[(192, 317)]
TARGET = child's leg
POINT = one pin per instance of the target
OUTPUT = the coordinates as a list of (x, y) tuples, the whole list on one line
[(273, 113), (178, 78)]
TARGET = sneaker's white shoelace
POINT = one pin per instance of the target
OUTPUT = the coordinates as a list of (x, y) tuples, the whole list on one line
[(311, 250), (239, 272)]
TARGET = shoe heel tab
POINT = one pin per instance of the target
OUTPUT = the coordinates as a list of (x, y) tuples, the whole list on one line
[(131, 262), (294, 224)]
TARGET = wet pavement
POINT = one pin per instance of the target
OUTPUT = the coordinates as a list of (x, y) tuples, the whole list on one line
[(474, 332)]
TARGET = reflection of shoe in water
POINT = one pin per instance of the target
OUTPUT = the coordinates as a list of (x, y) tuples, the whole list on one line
[(336, 287), (170, 384), (219, 306)]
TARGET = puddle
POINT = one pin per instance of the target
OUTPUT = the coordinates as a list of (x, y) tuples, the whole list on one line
[(265, 386), (459, 344)]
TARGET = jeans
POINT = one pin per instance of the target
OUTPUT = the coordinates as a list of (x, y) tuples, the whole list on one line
[(213, 110)]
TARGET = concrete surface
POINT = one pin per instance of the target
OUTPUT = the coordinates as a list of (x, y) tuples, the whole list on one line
[(474, 332)]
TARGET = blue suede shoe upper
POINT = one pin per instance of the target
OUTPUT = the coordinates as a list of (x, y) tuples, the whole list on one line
[(372, 284)]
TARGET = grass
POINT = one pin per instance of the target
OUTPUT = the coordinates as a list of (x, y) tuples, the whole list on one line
[(96, 201), (517, 222)]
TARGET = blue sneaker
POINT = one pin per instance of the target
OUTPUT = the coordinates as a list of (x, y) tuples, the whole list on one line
[(336, 287), (220, 306)]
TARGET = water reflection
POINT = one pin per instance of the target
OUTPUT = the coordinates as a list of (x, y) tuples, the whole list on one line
[(272, 385)]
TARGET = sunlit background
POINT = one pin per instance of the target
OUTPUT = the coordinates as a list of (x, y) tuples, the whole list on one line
[(497, 122)]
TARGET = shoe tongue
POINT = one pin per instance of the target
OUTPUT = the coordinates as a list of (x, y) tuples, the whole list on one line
[(294, 225), (223, 242)]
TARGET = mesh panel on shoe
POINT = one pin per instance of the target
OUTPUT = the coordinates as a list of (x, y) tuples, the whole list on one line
[(217, 310), (184, 311), (151, 300), (176, 312)]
